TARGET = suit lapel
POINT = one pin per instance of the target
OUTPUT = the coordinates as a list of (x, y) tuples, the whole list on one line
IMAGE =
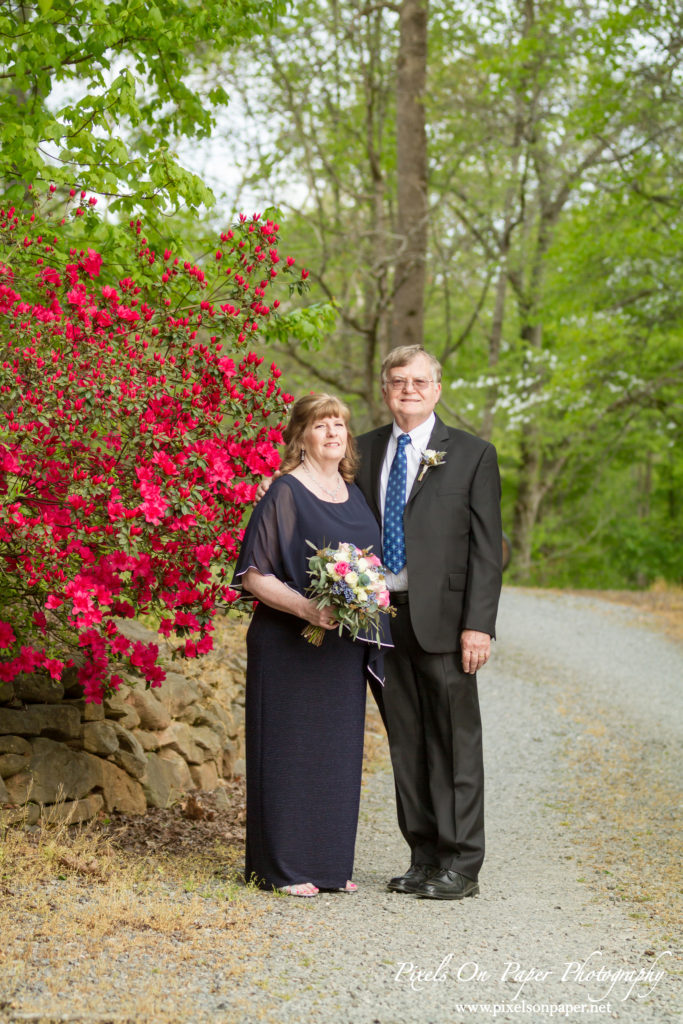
[(379, 447), (437, 441)]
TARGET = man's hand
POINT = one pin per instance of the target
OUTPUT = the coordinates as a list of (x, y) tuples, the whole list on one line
[(264, 485), (476, 648)]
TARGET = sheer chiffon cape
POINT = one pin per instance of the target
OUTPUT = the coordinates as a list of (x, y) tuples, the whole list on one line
[(284, 524)]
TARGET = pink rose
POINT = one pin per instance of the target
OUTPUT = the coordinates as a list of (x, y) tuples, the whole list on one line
[(341, 568), (383, 599), (373, 560)]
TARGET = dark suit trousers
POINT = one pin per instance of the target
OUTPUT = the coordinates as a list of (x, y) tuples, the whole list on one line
[(434, 727)]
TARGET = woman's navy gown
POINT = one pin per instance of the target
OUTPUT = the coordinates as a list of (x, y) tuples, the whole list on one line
[(305, 705)]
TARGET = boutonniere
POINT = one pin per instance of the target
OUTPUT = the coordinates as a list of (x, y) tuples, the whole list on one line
[(431, 458)]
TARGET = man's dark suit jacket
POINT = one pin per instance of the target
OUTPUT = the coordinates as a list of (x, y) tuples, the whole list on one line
[(453, 534)]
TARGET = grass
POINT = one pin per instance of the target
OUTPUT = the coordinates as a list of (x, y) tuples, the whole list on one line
[(93, 932), (627, 796), (662, 603), (76, 912), (622, 802)]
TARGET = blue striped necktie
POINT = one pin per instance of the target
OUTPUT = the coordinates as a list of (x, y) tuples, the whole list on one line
[(394, 543)]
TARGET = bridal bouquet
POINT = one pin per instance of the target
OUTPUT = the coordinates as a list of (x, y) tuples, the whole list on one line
[(351, 580)]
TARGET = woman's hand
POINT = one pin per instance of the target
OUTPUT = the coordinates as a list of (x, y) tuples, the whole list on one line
[(319, 616), (273, 592)]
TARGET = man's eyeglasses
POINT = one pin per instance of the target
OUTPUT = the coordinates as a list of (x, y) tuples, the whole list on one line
[(419, 383)]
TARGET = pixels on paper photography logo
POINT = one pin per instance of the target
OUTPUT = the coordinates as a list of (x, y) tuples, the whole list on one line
[(589, 986)]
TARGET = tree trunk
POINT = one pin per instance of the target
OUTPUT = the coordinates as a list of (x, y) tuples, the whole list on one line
[(411, 165), (529, 495)]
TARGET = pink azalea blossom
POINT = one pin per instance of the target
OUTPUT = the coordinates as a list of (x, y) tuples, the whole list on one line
[(7, 637), (139, 427)]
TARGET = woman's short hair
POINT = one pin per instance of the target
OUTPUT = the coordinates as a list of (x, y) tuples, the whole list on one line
[(405, 354), (306, 410)]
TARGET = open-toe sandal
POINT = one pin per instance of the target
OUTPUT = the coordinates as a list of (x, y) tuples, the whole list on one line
[(306, 889)]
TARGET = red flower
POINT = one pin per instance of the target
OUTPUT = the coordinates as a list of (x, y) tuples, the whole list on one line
[(135, 429), (7, 637)]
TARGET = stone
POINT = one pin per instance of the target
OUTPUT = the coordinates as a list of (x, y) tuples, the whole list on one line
[(36, 688), (100, 738), (221, 799), (131, 719), (209, 714), (179, 737), (55, 772), (176, 693), (237, 718), (10, 764), (27, 815), (120, 792), (239, 768), (167, 778), (134, 630), (115, 706), (73, 811), (231, 727), (205, 690), (190, 715), (6, 691), (55, 720), (181, 767), (129, 754), (147, 740), (207, 738), (152, 713), (4, 795), (228, 759), (70, 682), (15, 745), (89, 711), (204, 776)]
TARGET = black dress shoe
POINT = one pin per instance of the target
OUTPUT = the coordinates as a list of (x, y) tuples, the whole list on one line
[(416, 875), (447, 885)]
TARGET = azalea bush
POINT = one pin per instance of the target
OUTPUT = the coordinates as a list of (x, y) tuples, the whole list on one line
[(134, 419)]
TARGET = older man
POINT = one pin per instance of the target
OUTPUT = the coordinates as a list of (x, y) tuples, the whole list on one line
[(436, 493)]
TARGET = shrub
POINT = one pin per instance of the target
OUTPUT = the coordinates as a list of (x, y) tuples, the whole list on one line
[(134, 419)]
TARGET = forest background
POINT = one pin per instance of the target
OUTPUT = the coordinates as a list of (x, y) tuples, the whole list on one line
[(499, 181)]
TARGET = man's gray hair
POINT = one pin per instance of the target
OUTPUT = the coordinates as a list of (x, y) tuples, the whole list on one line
[(403, 355)]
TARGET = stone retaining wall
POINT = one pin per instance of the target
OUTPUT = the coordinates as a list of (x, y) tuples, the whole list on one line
[(62, 758)]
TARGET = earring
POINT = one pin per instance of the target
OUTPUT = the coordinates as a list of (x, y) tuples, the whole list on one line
[(303, 453)]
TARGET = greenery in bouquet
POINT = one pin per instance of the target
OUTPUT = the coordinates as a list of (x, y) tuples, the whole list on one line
[(351, 580)]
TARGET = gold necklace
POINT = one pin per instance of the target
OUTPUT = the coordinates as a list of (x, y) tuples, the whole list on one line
[(333, 494)]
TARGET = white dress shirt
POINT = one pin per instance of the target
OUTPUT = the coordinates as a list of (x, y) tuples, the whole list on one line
[(419, 440)]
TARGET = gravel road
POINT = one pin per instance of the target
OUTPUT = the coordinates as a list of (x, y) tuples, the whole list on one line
[(576, 917), (541, 940)]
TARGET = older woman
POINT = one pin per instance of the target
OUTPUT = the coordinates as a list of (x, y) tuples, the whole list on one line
[(305, 705)]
